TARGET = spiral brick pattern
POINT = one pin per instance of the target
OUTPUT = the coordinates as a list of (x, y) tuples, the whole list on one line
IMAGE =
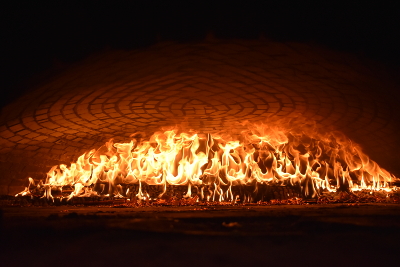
[(206, 86)]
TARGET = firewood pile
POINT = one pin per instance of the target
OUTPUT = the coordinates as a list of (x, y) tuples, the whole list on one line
[(206, 196), (364, 196)]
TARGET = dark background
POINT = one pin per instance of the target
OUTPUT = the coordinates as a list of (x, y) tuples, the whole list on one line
[(42, 39)]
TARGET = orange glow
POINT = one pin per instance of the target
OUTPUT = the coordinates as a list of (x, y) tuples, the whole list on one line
[(212, 165)]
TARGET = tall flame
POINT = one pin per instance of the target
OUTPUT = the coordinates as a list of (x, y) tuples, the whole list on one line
[(213, 165)]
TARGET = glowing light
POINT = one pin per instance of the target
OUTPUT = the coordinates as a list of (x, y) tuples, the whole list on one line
[(213, 164)]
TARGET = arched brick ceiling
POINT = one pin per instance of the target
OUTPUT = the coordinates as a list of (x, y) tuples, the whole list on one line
[(207, 85)]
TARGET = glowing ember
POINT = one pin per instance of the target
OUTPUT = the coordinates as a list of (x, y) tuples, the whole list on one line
[(219, 167)]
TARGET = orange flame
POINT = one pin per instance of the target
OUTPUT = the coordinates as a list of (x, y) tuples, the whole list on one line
[(215, 163)]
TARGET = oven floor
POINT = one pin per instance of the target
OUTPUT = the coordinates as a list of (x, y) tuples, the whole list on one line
[(333, 234)]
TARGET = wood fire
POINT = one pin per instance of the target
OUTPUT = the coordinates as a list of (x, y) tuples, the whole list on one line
[(285, 162)]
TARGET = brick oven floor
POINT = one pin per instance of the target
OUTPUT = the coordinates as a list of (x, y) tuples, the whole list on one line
[(366, 234)]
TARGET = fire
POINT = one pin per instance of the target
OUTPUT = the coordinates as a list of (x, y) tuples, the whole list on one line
[(222, 166)]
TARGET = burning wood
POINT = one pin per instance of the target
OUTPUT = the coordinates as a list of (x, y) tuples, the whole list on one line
[(281, 162)]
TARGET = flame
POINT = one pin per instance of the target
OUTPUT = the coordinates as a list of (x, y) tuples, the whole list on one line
[(212, 166)]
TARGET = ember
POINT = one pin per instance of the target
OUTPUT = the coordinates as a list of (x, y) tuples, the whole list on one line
[(285, 161)]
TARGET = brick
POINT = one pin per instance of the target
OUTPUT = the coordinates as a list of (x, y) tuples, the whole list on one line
[(211, 87)]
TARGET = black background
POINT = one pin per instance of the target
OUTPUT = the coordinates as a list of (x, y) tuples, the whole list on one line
[(44, 38)]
